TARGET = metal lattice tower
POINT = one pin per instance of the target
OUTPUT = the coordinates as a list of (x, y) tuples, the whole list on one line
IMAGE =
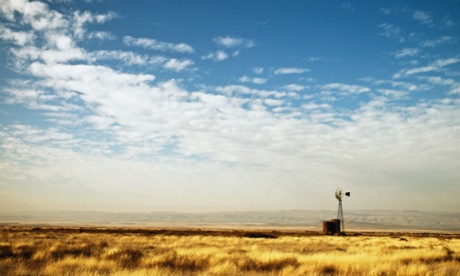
[(339, 193), (340, 216)]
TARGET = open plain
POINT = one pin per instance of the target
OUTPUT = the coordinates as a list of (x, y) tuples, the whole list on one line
[(55, 250)]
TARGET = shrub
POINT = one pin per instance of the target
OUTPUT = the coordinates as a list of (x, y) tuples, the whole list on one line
[(259, 235), (75, 251), (25, 251), (328, 270), (175, 261), (127, 258), (6, 251), (266, 266)]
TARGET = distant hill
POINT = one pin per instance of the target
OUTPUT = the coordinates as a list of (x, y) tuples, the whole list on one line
[(354, 220)]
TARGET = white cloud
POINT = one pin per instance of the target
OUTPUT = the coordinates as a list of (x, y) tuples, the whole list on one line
[(100, 122), (228, 42), (88, 79), (59, 48), (294, 87), (435, 66), (128, 58), (440, 81), (35, 13), (406, 52), (158, 45), (311, 59), (216, 56), (394, 94), (101, 35), (345, 88), (290, 70), (445, 62), (422, 17), (231, 89), (178, 65), (233, 42), (436, 42), (245, 79), (455, 89), (454, 85), (313, 106), (405, 85), (447, 22), (33, 99), (258, 70), (81, 18), (220, 55), (56, 30), (391, 31), (273, 102), (385, 11), (19, 38)]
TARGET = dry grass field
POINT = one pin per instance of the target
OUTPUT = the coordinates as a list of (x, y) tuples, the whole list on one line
[(123, 251)]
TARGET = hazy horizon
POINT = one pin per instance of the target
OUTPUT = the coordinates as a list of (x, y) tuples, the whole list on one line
[(202, 106), (311, 219)]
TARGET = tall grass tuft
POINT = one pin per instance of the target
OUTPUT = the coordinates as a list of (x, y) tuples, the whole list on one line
[(61, 251), (270, 265), (328, 270), (6, 251), (184, 263), (25, 251), (127, 258)]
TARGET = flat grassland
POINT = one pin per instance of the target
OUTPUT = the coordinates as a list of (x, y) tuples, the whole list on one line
[(149, 251)]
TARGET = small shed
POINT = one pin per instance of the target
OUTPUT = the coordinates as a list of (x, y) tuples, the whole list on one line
[(331, 227)]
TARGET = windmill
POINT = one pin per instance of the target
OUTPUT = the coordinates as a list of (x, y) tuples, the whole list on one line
[(339, 195)]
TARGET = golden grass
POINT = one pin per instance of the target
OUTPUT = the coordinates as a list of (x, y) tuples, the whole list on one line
[(57, 251)]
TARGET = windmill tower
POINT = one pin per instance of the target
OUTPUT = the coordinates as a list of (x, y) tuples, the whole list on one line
[(339, 195)]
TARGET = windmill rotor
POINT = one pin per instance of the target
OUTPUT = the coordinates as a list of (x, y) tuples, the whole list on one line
[(339, 194)]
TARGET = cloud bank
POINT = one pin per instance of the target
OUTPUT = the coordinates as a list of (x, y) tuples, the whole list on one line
[(128, 123)]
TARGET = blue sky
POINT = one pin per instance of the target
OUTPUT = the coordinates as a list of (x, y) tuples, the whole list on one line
[(229, 105)]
